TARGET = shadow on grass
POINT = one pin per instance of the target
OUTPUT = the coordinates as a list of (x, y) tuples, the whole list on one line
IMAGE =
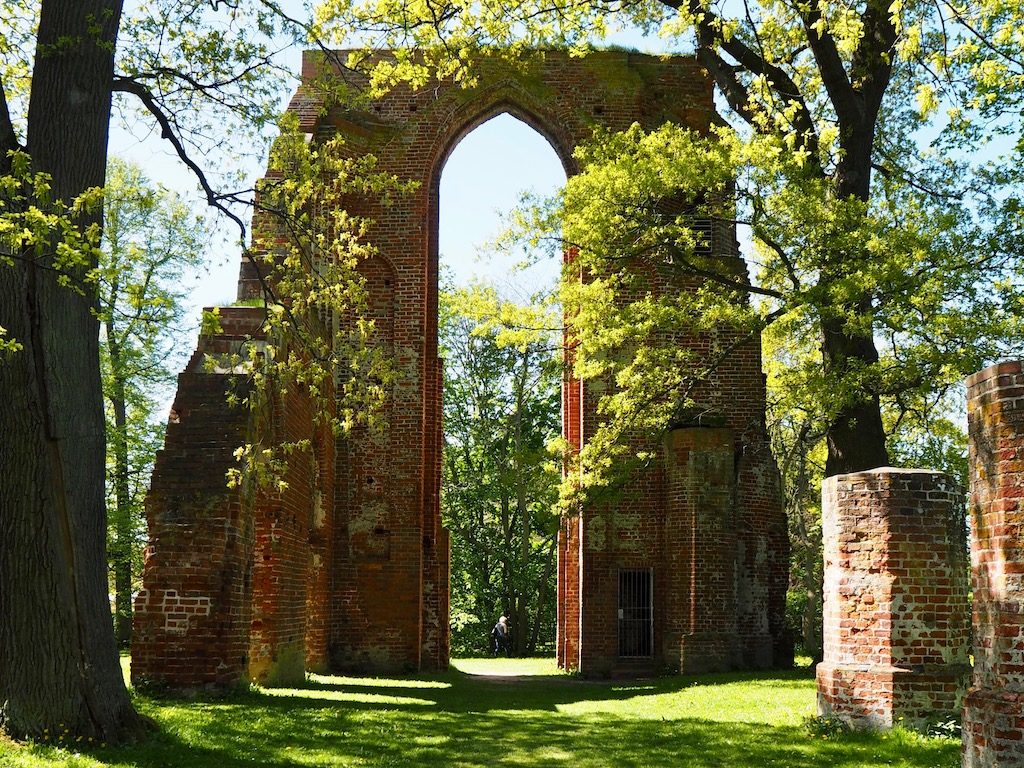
[(462, 692), (462, 720)]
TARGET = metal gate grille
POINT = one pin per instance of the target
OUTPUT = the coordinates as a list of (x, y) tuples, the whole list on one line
[(636, 614)]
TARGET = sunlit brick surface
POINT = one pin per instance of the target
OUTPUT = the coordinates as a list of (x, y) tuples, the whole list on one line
[(896, 611)]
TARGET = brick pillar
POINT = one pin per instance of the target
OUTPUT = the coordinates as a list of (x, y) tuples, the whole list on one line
[(570, 538), (434, 619), (570, 556), (192, 616), (993, 724), (700, 543), (896, 626), (191, 624)]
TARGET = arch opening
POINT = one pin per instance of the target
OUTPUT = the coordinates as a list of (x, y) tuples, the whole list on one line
[(482, 179), (501, 406)]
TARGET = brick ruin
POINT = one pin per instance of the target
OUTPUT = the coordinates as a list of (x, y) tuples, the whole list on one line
[(686, 570), (896, 613), (897, 626), (703, 531), (993, 720), (348, 568)]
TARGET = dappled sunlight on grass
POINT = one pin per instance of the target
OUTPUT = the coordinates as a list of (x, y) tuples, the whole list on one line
[(378, 682), (342, 694), (523, 714), (772, 698), (505, 667)]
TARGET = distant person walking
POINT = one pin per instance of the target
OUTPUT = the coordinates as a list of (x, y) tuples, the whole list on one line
[(500, 638)]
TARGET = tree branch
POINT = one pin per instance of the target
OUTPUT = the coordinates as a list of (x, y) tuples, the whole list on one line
[(709, 41), (215, 200), (872, 61), (759, 211), (679, 257), (830, 65), (735, 93), (782, 84), (198, 85), (983, 40), (905, 177)]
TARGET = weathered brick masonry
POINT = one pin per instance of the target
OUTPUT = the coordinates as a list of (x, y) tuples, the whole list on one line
[(994, 708), (349, 569), (192, 617), (896, 621)]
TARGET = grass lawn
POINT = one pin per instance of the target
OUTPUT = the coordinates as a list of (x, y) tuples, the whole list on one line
[(508, 712)]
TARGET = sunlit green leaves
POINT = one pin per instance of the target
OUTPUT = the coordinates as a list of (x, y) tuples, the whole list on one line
[(939, 271), (499, 484), (7, 344), (319, 341), (34, 227)]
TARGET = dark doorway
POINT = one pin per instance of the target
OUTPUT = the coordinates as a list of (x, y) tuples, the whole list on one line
[(636, 614)]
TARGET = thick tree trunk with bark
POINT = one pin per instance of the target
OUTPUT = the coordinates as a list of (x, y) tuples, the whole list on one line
[(856, 440), (855, 436), (58, 663)]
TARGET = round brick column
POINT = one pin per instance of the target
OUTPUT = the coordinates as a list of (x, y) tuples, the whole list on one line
[(994, 706), (896, 611)]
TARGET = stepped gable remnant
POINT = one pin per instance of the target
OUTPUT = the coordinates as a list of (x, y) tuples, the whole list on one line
[(896, 613), (348, 569), (993, 724)]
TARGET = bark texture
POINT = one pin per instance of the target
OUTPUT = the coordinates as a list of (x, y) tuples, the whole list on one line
[(59, 669), (855, 435)]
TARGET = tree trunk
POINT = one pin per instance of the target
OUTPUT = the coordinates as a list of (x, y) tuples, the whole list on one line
[(59, 667), (855, 436), (124, 514)]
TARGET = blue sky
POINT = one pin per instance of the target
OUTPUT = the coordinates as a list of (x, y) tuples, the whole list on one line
[(482, 181)]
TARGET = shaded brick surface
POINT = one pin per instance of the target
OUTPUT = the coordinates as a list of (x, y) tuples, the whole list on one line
[(994, 708), (192, 616)]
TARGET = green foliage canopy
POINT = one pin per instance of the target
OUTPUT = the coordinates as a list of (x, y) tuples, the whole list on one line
[(499, 481), (867, 231), (153, 247)]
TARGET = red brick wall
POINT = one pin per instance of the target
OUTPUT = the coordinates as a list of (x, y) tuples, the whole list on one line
[(235, 583), (192, 615), (994, 707), (318, 581), (571, 608), (362, 583), (377, 586), (650, 524), (896, 609), (700, 551), (282, 555), (563, 98)]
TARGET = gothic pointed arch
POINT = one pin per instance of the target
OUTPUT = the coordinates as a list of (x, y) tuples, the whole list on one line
[(693, 547)]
